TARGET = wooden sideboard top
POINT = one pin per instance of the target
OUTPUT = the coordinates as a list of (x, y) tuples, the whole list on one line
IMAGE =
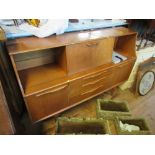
[(28, 44)]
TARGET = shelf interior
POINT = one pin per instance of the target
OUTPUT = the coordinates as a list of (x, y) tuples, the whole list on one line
[(125, 45), (39, 75), (40, 67)]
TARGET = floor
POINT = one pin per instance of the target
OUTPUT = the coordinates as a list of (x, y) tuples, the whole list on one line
[(140, 106)]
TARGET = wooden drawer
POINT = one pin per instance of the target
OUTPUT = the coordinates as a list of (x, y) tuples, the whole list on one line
[(102, 83), (102, 79), (89, 54), (86, 94), (96, 76), (93, 91), (88, 86), (93, 84), (47, 102)]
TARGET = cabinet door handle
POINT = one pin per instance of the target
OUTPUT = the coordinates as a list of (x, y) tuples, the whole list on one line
[(51, 91), (92, 44), (123, 65)]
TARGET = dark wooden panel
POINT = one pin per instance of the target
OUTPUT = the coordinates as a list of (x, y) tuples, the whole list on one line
[(11, 84), (6, 123)]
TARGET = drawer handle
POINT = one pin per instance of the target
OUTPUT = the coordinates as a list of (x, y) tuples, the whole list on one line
[(123, 65), (51, 91), (91, 90), (93, 76), (92, 44), (91, 83)]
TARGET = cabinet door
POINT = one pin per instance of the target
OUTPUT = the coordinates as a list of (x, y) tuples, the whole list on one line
[(47, 103), (123, 71), (90, 54)]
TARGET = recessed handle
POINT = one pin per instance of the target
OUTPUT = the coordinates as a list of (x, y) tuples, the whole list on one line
[(91, 83), (123, 65), (90, 91), (51, 91), (92, 44), (93, 76)]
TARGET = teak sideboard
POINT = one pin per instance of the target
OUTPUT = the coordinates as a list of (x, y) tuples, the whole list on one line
[(59, 72)]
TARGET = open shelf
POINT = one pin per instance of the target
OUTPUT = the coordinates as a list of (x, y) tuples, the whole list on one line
[(35, 69), (125, 45)]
